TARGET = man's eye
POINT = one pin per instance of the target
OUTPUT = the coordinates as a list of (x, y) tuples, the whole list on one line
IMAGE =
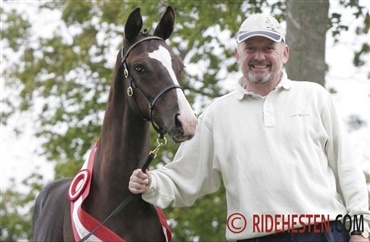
[(139, 69)]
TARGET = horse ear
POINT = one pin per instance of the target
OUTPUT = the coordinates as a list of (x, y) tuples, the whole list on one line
[(133, 25), (166, 24)]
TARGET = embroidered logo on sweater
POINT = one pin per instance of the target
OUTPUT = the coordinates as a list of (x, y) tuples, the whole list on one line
[(82, 222)]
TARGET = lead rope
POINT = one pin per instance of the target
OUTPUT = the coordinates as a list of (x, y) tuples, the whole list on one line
[(152, 155)]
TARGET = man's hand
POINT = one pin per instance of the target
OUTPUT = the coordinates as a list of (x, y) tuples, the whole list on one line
[(139, 181), (358, 238)]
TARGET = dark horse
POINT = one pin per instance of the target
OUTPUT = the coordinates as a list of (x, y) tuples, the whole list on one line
[(147, 90)]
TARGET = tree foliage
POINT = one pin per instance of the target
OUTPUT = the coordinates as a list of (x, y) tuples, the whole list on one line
[(65, 79), (16, 209)]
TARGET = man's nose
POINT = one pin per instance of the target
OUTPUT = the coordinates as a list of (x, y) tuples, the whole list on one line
[(260, 55)]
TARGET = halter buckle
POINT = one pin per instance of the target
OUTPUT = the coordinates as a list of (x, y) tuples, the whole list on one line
[(130, 91)]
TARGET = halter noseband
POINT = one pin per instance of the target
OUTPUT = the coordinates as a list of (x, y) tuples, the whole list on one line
[(133, 85)]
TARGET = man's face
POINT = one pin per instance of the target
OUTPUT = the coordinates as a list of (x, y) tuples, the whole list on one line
[(261, 59)]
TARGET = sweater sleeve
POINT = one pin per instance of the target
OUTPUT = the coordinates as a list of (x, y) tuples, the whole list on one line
[(191, 175), (349, 176)]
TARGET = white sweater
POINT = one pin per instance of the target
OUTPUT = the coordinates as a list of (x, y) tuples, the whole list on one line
[(282, 154)]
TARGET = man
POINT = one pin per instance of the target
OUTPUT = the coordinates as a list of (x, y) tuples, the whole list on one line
[(279, 146)]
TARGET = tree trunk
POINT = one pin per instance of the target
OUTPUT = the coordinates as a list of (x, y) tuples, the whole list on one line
[(307, 24)]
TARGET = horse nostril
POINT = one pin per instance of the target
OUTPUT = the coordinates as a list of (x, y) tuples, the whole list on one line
[(185, 125), (178, 124)]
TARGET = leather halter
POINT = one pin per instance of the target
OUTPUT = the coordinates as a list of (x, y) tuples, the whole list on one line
[(133, 86)]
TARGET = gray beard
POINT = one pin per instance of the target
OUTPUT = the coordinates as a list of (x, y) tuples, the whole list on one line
[(260, 79)]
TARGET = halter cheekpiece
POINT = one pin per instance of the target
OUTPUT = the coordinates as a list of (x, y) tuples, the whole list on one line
[(133, 85)]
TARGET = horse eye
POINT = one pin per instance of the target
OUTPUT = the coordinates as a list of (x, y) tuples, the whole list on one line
[(139, 69)]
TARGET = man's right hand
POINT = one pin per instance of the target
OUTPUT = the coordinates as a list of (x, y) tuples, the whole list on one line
[(139, 181)]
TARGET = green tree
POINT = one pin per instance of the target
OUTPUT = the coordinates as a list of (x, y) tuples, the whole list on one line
[(65, 79), (16, 209)]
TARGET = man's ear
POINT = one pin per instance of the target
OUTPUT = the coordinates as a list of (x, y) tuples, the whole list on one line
[(236, 54), (286, 54)]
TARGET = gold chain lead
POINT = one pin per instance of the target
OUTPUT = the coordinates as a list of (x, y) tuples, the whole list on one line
[(160, 144)]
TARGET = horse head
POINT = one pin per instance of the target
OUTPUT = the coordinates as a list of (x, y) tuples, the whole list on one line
[(152, 73)]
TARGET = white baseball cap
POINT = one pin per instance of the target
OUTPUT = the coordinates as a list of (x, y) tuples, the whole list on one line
[(261, 25)]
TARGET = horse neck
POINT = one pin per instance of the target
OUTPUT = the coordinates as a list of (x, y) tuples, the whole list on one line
[(123, 144)]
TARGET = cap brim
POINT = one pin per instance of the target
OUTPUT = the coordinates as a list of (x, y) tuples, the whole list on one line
[(271, 35)]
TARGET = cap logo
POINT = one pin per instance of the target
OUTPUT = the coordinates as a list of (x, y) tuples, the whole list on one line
[(268, 21), (270, 27)]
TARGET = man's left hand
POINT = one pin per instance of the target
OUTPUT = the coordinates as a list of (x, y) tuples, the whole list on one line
[(358, 238)]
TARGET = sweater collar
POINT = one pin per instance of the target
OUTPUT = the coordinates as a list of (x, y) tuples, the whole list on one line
[(284, 83)]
